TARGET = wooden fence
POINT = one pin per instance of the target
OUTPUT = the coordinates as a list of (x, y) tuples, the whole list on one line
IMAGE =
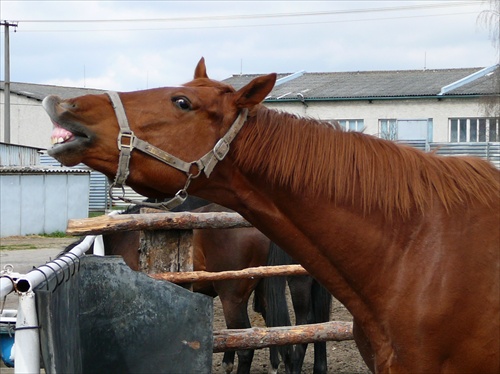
[(178, 254)]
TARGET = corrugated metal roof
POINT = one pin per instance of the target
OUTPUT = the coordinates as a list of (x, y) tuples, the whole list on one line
[(377, 84), (40, 91), (331, 85), (40, 170)]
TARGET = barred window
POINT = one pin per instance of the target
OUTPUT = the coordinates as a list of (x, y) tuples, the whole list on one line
[(474, 130), (352, 124), (388, 129)]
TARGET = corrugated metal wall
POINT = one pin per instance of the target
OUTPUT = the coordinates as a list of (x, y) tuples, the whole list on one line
[(41, 202), (16, 155), (99, 185), (489, 151)]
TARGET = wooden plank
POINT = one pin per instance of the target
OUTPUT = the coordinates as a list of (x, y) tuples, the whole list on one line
[(254, 272), (258, 337), (156, 221)]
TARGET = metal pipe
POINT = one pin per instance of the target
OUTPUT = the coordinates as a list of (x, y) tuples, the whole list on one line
[(27, 340), (29, 281), (6, 122), (37, 276)]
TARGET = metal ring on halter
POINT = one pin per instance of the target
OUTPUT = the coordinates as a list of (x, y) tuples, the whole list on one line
[(199, 167)]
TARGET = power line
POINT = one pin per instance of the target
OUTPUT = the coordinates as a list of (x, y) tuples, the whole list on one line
[(261, 16), (248, 25)]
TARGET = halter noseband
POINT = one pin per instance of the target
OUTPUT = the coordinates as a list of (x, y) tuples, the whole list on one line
[(127, 141)]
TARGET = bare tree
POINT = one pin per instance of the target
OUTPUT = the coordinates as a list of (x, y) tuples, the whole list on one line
[(490, 19)]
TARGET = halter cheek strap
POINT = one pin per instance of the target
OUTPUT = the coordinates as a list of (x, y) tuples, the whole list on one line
[(127, 142)]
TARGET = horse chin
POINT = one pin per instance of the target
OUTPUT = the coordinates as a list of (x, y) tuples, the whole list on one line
[(70, 153)]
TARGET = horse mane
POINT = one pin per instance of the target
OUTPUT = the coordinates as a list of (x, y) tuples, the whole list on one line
[(312, 157)]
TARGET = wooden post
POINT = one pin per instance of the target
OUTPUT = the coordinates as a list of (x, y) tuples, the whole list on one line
[(166, 251)]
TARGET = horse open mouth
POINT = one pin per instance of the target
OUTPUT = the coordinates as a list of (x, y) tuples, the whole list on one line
[(65, 138), (60, 135)]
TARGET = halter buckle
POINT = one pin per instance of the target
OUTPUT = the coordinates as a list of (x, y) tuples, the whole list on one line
[(220, 149), (130, 142)]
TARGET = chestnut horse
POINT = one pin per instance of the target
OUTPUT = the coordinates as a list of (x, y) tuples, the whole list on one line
[(236, 249), (408, 241)]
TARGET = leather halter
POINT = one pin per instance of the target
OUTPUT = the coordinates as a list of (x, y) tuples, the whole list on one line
[(127, 142)]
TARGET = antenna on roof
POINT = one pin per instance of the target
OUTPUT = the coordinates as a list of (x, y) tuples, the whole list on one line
[(425, 60), (241, 66)]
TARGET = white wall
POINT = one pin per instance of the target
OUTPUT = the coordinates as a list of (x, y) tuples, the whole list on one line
[(438, 110), (30, 124)]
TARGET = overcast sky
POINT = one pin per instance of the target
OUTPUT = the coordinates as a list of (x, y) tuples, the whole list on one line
[(131, 45)]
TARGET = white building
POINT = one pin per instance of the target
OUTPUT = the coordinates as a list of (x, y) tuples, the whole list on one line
[(445, 105)]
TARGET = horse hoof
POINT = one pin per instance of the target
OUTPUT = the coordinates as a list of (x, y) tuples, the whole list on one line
[(228, 368)]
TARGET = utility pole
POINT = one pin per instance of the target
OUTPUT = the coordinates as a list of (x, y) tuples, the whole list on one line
[(6, 122)]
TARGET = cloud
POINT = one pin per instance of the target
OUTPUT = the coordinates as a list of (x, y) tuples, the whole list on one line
[(133, 55)]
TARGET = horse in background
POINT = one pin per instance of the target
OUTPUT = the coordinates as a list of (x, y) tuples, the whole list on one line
[(217, 250)]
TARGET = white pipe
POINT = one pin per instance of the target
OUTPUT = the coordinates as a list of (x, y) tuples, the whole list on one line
[(99, 246), (38, 275), (27, 341)]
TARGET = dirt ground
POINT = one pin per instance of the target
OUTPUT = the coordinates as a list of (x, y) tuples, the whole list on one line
[(24, 252)]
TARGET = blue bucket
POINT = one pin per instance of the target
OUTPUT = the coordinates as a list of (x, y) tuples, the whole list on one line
[(7, 326)]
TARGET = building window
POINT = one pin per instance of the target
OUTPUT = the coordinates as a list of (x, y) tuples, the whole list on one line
[(474, 130), (352, 124), (388, 129)]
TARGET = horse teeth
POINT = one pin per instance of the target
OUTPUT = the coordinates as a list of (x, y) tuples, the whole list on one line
[(60, 139)]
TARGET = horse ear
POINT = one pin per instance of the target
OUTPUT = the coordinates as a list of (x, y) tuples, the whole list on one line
[(201, 70), (255, 91)]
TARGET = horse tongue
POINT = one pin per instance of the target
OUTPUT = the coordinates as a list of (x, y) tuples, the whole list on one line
[(60, 135)]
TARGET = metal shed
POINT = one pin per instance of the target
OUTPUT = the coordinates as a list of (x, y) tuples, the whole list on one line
[(38, 200)]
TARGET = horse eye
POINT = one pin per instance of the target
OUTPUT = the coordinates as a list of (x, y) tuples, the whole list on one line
[(182, 103)]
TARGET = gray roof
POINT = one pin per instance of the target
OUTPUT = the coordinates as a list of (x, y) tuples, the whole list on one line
[(380, 84), (337, 85), (40, 91), (41, 170)]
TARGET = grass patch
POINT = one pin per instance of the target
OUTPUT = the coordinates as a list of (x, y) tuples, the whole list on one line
[(56, 234), (15, 247)]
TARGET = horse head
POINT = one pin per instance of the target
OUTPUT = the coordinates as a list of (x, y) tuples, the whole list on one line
[(181, 123)]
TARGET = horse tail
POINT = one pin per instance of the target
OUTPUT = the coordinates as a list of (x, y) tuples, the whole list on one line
[(276, 304)]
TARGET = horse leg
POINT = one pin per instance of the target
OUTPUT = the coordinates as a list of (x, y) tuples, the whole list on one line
[(236, 316), (300, 291), (321, 305)]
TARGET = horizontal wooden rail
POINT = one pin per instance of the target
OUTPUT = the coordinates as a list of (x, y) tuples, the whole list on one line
[(258, 337), (155, 221), (254, 272)]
